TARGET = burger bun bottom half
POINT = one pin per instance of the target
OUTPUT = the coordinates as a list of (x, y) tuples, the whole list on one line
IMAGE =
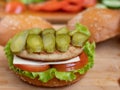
[(51, 83)]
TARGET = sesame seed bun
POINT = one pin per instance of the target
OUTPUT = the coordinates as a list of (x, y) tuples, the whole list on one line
[(102, 23), (10, 24), (51, 83)]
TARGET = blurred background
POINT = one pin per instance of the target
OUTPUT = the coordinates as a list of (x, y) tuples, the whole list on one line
[(55, 11)]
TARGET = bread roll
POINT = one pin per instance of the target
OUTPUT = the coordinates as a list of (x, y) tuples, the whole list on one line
[(51, 83), (102, 23), (10, 24)]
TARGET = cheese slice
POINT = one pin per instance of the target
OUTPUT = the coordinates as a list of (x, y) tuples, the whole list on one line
[(18, 60)]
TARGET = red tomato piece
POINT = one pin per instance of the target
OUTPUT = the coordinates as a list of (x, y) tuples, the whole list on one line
[(32, 68), (15, 7), (52, 5), (73, 66), (72, 5)]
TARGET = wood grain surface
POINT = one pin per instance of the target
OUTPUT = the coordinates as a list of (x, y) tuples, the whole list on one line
[(105, 75)]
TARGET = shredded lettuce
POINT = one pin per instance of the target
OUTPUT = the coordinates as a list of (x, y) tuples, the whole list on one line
[(47, 75)]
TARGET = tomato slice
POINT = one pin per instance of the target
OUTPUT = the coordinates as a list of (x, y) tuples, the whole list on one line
[(73, 66), (89, 3), (51, 5), (72, 5), (32, 68), (15, 7)]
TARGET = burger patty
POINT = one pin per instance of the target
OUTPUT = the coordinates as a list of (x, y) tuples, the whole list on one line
[(56, 56)]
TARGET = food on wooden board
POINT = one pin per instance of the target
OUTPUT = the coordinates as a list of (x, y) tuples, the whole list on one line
[(49, 57)]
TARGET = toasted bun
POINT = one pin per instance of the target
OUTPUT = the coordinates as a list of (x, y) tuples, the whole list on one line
[(102, 23), (10, 24), (51, 83)]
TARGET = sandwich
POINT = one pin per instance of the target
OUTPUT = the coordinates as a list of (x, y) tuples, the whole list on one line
[(49, 57)]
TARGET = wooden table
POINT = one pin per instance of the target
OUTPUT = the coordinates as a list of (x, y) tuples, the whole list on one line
[(104, 75)]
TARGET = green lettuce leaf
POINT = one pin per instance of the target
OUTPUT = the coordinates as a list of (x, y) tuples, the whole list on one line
[(47, 75), (83, 29), (67, 76), (89, 49), (80, 28), (31, 1), (9, 54)]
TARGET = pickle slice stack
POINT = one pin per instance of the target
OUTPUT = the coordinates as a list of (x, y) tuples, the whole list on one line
[(49, 40)]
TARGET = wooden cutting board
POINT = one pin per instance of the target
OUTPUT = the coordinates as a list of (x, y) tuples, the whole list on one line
[(105, 74)]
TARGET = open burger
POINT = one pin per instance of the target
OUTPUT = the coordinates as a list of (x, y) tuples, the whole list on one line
[(49, 57)]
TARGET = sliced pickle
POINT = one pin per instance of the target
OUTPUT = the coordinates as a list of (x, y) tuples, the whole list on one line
[(48, 31), (35, 31), (34, 43), (62, 42), (19, 41), (49, 42), (79, 39), (63, 30)]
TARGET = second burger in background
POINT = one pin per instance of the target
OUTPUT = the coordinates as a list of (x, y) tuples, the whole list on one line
[(103, 23)]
